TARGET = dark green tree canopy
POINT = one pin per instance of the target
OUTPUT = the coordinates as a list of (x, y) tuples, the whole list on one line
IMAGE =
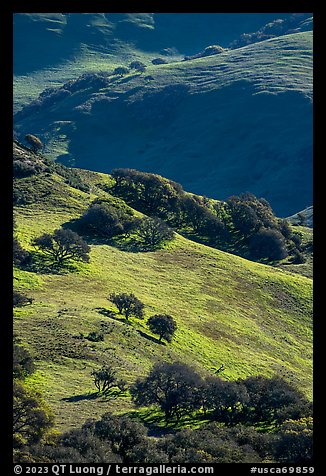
[(30, 418), (173, 387), (163, 325), (122, 432), (23, 363), (107, 220), (62, 246), (268, 244), (128, 304), (153, 232)]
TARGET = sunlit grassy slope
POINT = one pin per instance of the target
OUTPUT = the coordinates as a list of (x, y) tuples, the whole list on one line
[(240, 120), (252, 318)]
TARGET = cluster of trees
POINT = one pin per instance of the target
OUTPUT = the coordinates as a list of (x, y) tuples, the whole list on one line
[(278, 27), (161, 324), (242, 224), (256, 228), (120, 439), (178, 390), (108, 220)]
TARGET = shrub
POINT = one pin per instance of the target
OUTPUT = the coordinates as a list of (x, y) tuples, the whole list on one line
[(20, 256), (285, 229), (137, 65), (23, 169), (296, 238), (122, 433), (213, 50), (297, 257), (90, 448), (158, 61), (95, 337), (120, 70), (295, 442), (208, 51), (20, 300)]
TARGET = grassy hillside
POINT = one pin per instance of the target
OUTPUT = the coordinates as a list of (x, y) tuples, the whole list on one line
[(220, 125), (51, 48), (253, 318)]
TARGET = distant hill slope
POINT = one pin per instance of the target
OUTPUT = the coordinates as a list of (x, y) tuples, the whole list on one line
[(219, 125), (51, 48), (253, 318), (305, 217)]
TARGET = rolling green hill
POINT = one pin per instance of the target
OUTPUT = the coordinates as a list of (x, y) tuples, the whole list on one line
[(220, 125), (252, 318)]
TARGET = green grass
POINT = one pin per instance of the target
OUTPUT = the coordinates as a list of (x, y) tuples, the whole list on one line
[(253, 318)]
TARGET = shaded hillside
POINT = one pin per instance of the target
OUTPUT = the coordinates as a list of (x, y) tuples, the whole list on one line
[(252, 318), (67, 32), (240, 120)]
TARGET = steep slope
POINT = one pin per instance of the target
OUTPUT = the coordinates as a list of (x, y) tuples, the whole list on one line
[(252, 318), (220, 125)]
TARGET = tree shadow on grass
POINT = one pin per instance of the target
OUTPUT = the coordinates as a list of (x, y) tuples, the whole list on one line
[(123, 243), (151, 338), (38, 263), (154, 423), (110, 393), (111, 315), (84, 396)]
